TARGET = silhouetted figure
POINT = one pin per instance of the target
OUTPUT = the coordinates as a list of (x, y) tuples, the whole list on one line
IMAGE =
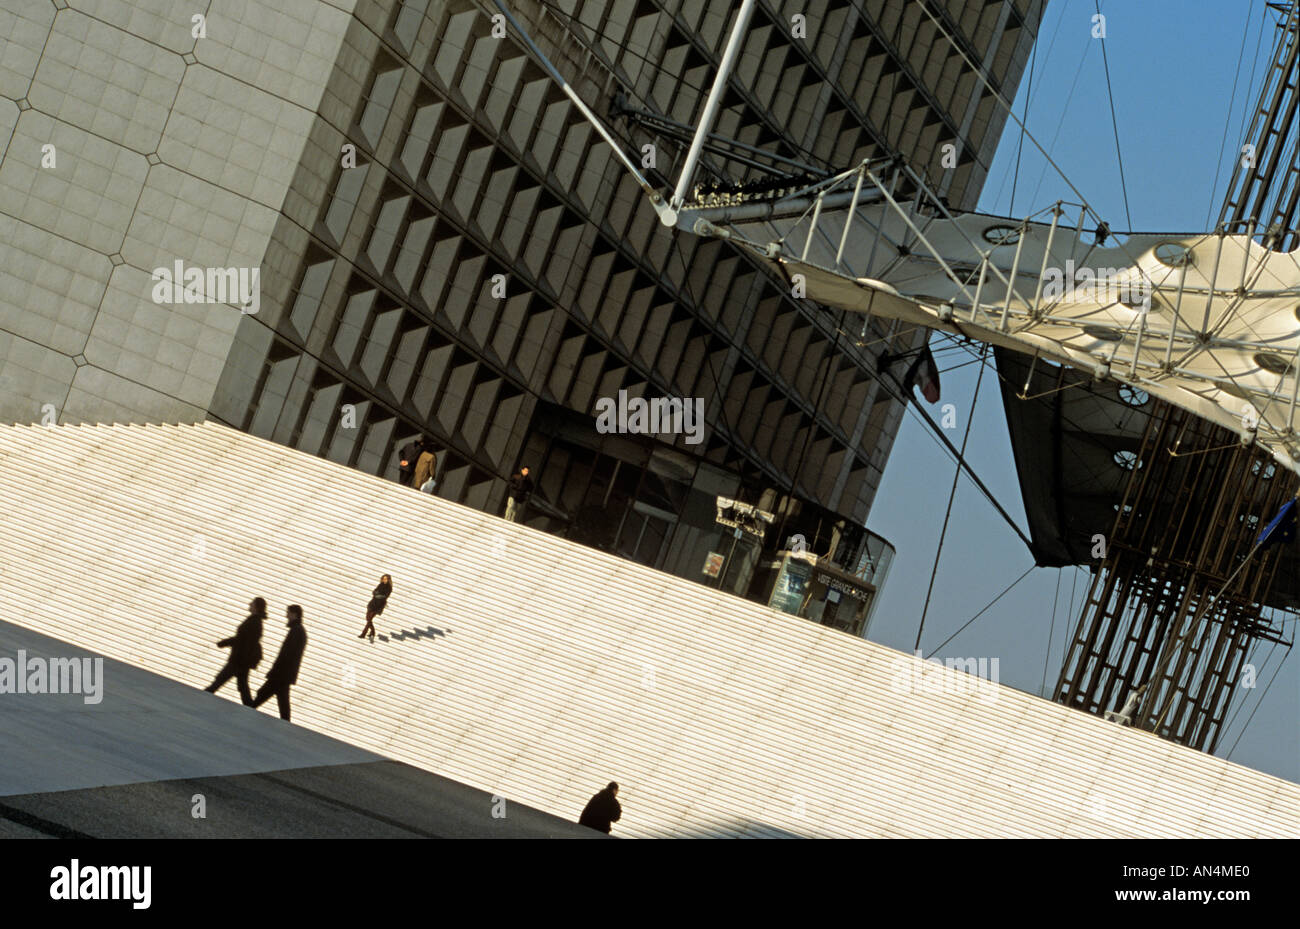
[(521, 488), (378, 600), (426, 469), (284, 673), (602, 809), (407, 457), (245, 652)]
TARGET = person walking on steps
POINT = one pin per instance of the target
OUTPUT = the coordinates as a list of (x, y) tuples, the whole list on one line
[(602, 809), (407, 457), (245, 652), (378, 600), (284, 673), (521, 488)]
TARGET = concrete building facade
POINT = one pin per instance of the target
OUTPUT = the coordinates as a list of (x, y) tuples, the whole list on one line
[(440, 243)]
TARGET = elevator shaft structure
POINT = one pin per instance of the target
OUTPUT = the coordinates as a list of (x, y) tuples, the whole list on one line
[(1176, 609), (1264, 193)]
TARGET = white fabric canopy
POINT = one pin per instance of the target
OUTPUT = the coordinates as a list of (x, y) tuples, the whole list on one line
[(1210, 323)]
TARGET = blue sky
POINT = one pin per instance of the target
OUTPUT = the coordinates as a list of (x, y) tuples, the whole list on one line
[(1173, 65)]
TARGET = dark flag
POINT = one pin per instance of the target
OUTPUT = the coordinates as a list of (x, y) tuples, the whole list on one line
[(923, 373), (1281, 529)]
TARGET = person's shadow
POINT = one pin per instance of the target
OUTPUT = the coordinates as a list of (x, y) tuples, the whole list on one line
[(429, 632)]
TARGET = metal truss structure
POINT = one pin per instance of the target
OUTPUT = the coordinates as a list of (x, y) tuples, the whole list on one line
[(1264, 193), (1210, 323), (1176, 608)]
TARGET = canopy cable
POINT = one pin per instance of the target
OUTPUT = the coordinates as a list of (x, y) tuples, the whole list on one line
[(1236, 710), (1051, 634), (1258, 703), (1227, 121), (952, 495), (1020, 147), (989, 606), (938, 431), (1105, 64)]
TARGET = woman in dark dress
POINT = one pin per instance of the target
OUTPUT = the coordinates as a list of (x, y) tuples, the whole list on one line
[(378, 600)]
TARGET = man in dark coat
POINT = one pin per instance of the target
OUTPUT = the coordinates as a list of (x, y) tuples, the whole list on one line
[(602, 809), (245, 652), (284, 673), (407, 457), (521, 488)]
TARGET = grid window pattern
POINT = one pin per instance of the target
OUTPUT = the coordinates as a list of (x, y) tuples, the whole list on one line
[(498, 257)]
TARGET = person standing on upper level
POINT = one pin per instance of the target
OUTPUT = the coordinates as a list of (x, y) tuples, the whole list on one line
[(378, 600), (284, 673), (407, 457), (521, 488), (426, 470)]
